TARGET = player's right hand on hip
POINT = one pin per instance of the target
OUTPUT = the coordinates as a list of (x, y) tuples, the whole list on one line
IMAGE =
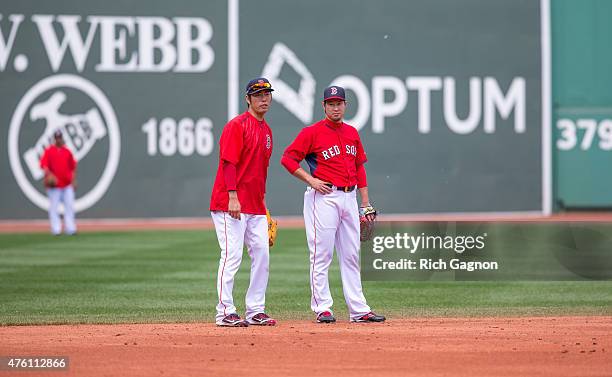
[(233, 207), (320, 186)]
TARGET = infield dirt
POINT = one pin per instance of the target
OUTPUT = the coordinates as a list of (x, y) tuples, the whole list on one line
[(531, 346)]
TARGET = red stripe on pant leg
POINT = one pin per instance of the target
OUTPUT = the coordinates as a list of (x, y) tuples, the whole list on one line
[(223, 269), (314, 257)]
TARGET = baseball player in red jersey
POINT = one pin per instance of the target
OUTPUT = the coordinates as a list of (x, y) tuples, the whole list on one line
[(238, 206), (335, 156), (59, 166)]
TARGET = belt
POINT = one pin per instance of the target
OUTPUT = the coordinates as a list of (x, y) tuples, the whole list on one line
[(342, 188)]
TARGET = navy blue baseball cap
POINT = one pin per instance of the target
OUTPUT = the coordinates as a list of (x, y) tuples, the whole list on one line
[(334, 92), (257, 85), (58, 134)]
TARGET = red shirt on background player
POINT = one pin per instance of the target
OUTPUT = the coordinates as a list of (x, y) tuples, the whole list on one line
[(59, 168), (58, 164)]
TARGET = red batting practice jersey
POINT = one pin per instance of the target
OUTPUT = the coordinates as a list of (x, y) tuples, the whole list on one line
[(333, 152), (61, 162), (247, 143)]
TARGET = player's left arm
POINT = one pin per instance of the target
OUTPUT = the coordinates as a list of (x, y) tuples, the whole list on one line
[(365, 209), (74, 171), (362, 183)]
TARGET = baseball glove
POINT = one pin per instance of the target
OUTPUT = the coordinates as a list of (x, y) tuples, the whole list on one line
[(367, 220), (272, 228), (50, 181)]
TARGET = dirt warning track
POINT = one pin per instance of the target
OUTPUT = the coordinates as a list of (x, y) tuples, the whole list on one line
[(99, 225)]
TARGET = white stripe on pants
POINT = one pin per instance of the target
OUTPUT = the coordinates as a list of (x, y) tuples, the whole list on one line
[(64, 195), (232, 234), (333, 220)]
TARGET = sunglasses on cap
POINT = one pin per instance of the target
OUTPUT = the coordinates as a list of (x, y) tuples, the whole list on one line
[(260, 86)]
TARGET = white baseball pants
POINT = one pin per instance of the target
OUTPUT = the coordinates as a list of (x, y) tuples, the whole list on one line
[(232, 234), (332, 220), (56, 196)]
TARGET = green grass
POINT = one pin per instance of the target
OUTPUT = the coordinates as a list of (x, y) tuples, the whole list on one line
[(169, 276)]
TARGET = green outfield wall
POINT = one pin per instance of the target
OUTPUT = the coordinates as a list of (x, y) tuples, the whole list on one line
[(582, 103), (449, 98)]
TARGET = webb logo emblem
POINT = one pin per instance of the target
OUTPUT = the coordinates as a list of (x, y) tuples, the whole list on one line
[(48, 107), (80, 131)]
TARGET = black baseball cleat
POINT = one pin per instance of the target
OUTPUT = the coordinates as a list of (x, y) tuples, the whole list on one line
[(326, 317), (370, 317), (232, 320)]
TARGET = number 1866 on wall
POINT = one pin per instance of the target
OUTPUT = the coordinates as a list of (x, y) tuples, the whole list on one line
[(167, 137)]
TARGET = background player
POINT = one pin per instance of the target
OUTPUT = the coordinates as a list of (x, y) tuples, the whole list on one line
[(238, 207), (59, 167), (335, 155)]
